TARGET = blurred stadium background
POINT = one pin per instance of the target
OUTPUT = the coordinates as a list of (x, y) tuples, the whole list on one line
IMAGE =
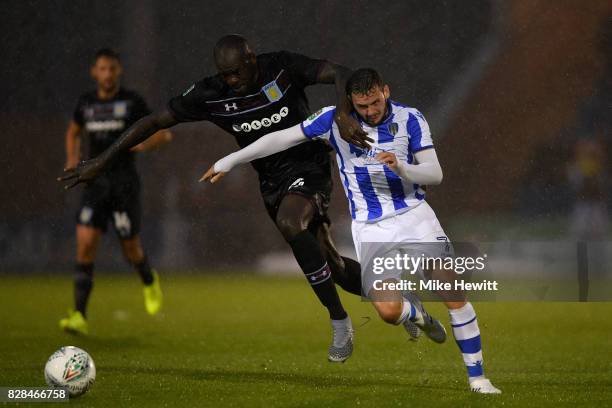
[(517, 94)]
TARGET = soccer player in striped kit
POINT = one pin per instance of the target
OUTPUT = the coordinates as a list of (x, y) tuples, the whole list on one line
[(383, 185)]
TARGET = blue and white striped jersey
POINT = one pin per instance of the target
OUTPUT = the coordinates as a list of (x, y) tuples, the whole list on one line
[(374, 192)]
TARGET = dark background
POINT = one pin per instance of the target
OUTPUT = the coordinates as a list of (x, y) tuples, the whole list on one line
[(508, 89)]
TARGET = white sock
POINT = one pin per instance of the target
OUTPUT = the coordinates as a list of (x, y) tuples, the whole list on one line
[(342, 322), (410, 312), (345, 324), (405, 312), (467, 335)]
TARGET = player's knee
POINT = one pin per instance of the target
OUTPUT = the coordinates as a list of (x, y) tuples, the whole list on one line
[(290, 226), (390, 312)]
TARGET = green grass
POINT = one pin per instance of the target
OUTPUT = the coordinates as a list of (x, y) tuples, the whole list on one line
[(248, 341)]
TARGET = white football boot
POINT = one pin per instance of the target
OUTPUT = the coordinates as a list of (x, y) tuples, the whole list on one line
[(483, 386)]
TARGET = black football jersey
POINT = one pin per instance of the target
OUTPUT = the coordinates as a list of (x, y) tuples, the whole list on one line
[(104, 120), (279, 104)]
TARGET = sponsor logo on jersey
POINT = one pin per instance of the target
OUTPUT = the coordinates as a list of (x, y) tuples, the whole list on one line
[(230, 107), (104, 125), (366, 157), (265, 122)]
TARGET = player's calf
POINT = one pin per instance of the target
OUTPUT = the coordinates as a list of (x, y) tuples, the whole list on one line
[(390, 312), (346, 272), (83, 284), (133, 252)]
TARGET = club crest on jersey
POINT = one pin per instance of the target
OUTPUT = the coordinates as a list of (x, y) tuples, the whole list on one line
[(272, 91), (393, 128), (120, 109)]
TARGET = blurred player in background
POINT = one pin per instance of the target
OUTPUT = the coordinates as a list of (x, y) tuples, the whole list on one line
[(250, 96), (587, 176), (101, 116), (385, 189)]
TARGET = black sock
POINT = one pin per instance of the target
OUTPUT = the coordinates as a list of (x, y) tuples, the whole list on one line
[(351, 276), (308, 255), (144, 270), (346, 274), (83, 283)]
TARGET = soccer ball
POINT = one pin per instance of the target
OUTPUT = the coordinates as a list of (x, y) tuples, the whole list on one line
[(72, 368)]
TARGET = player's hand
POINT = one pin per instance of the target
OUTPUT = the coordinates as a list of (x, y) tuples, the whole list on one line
[(389, 159), (351, 131), (84, 172), (212, 176)]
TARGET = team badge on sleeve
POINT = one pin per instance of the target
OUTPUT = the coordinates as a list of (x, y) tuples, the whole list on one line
[(314, 115)]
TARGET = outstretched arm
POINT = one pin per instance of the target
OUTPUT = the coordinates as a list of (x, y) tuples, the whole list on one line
[(137, 133), (349, 127), (427, 170), (265, 146), (158, 139)]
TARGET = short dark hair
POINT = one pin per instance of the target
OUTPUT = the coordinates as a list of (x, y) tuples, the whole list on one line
[(363, 80), (108, 53), (231, 42)]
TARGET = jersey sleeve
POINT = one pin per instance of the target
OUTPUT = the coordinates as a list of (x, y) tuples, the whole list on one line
[(319, 124), (77, 115), (418, 132), (190, 106), (302, 69)]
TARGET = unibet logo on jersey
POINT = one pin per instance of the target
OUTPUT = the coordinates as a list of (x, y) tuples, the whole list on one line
[(265, 122)]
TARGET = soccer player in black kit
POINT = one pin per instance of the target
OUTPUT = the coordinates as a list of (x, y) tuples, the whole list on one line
[(250, 96), (102, 115)]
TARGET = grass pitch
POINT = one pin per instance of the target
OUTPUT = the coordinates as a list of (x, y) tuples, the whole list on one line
[(251, 341)]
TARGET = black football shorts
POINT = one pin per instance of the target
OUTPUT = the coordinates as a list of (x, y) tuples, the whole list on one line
[(312, 184), (115, 198)]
